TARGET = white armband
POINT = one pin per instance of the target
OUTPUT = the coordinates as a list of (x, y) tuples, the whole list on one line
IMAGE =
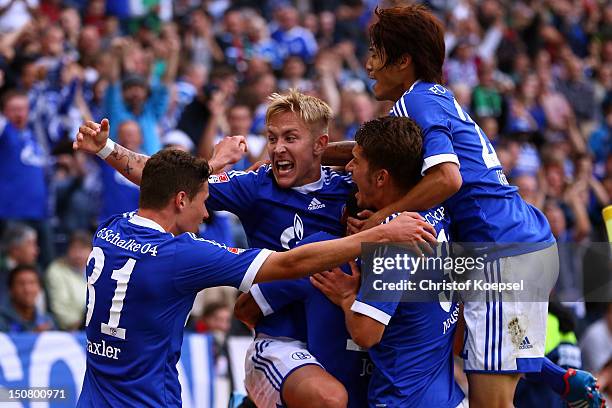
[(107, 149)]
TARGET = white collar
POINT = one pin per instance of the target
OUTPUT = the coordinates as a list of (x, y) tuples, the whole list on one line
[(311, 187), (146, 222), (413, 85)]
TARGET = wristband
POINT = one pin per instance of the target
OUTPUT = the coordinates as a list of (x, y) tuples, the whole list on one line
[(106, 150)]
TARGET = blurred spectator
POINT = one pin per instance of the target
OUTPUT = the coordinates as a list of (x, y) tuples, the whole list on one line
[(529, 190), (579, 92), (233, 40), (19, 246), (486, 99), (596, 343), (216, 318), (134, 99), (239, 120), (200, 41), (292, 38), (66, 283), (263, 46), (461, 67), (120, 195), (75, 186), (293, 76), (600, 141), (23, 168), (21, 314)]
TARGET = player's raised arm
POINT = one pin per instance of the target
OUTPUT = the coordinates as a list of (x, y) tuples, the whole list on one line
[(338, 153), (320, 256), (94, 138)]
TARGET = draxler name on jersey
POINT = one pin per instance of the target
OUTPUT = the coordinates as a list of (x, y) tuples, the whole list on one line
[(101, 349)]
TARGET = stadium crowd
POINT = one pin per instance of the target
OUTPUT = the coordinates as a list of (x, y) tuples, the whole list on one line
[(535, 74)]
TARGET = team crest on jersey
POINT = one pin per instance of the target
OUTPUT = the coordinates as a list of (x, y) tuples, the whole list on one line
[(218, 178), (301, 355), (294, 232)]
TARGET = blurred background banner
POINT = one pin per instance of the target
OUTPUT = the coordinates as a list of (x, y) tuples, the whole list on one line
[(56, 360)]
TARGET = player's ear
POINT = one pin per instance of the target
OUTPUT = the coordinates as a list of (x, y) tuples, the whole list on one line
[(405, 61), (320, 143), (382, 178), (180, 200)]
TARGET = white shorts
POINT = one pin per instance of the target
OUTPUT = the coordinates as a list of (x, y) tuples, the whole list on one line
[(269, 361), (504, 332)]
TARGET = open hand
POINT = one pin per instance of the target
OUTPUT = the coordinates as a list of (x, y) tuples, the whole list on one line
[(337, 285), (92, 136)]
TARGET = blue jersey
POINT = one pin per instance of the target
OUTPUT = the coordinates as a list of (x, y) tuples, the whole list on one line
[(278, 218), (327, 337), (23, 188), (413, 362), (486, 208), (141, 284)]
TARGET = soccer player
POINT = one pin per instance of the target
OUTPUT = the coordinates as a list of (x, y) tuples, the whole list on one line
[(462, 171), (146, 268), (278, 206), (413, 363)]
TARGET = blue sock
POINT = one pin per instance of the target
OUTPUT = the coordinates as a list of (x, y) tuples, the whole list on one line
[(551, 375)]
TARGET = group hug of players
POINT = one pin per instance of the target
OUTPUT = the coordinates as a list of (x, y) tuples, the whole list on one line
[(320, 342)]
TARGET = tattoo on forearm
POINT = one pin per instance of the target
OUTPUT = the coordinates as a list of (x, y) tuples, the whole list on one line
[(119, 153)]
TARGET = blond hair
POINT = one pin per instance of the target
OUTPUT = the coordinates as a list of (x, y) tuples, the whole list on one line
[(315, 113)]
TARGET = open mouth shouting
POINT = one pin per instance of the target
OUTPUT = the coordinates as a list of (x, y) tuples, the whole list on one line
[(284, 167)]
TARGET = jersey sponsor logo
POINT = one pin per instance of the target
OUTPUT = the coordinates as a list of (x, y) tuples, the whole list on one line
[(101, 349), (131, 245), (525, 344), (294, 232), (218, 178), (315, 205), (301, 355)]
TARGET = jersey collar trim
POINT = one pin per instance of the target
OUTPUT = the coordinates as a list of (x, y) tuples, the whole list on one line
[(146, 222), (311, 187), (413, 85)]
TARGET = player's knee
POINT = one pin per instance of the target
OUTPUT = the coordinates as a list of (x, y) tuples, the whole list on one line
[(332, 396), (319, 392)]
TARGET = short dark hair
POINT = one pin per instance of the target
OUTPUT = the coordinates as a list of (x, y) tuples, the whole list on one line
[(411, 30), (169, 172), (12, 275), (213, 307), (394, 144)]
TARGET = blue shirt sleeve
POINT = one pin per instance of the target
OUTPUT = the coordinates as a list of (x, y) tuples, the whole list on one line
[(234, 191), (272, 296), (435, 124), (201, 263)]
